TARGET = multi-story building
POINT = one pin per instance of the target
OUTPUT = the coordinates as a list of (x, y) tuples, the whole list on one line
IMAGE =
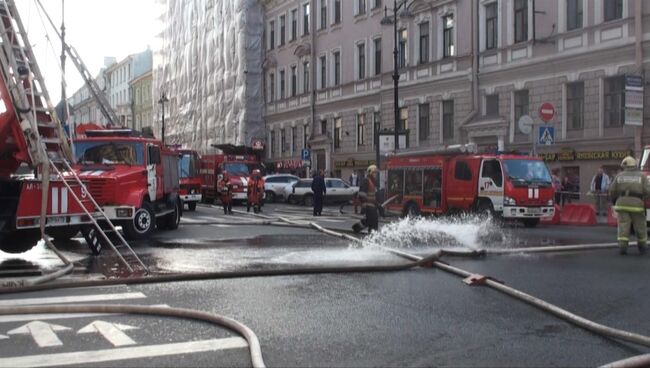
[(84, 107), (469, 70), (141, 88)]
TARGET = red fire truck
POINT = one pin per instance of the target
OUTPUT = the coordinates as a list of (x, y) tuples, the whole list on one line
[(188, 167), (238, 166), (133, 178), (454, 180)]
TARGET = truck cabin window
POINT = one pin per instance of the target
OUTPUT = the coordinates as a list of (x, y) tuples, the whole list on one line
[(525, 172), (492, 170), (241, 168), (188, 165), (109, 153)]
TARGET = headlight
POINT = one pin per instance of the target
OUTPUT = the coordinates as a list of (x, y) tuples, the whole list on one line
[(550, 202), (509, 201), (123, 212)]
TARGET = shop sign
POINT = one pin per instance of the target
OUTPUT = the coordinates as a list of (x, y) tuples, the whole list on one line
[(548, 156), (289, 164), (566, 155), (570, 155), (353, 163)]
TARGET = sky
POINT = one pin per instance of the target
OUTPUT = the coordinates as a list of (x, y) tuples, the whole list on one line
[(95, 28)]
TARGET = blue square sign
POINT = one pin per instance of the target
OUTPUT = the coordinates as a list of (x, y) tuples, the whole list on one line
[(305, 154), (546, 135)]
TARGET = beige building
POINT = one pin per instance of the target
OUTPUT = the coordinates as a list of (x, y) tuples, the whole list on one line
[(141, 88), (468, 71)]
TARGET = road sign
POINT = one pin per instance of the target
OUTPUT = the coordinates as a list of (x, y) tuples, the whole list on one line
[(546, 112), (525, 124), (546, 135), (305, 154)]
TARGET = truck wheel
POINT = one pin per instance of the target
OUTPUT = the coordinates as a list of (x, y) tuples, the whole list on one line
[(270, 197), (174, 219), (143, 223), (291, 199), (62, 233), (93, 239), (530, 222), (485, 209), (308, 201), (15, 242), (411, 210), (191, 206)]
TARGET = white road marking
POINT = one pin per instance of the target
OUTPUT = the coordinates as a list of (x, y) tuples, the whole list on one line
[(111, 332), (40, 317), (70, 299), (217, 225), (43, 333), (2, 337), (110, 355)]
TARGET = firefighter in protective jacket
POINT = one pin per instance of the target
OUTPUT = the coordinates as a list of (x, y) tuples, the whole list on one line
[(628, 191), (225, 191), (255, 192), (368, 198)]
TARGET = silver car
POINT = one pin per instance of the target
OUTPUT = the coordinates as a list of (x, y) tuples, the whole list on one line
[(274, 185), (337, 191)]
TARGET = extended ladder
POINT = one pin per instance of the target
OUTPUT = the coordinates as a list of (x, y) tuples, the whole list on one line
[(47, 143)]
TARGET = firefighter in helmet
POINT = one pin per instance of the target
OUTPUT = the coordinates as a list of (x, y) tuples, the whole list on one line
[(225, 191), (628, 191), (255, 191), (368, 198)]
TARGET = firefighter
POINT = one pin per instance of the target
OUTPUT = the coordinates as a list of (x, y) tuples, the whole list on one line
[(255, 192), (225, 189), (628, 191), (369, 206)]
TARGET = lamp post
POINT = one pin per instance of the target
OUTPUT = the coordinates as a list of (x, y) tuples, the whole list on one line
[(162, 101), (392, 20)]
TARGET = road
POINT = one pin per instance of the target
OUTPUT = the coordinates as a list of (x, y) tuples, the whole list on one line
[(420, 317)]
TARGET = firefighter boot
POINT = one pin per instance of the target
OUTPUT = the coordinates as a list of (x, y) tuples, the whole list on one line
[(357, 227), (643, 247), (622, 245)]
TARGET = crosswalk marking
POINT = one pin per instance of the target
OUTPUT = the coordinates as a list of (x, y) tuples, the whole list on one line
[(70, 299), (42, 317)]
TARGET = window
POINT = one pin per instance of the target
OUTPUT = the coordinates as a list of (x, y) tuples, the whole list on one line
[(337, 11), (462, 171), (614, 101), (424, 122), (305, 77), (338, 125), (305, 19), (361, 7), (424, 42), (448, 36), (377, 56), (492, 105), (282, 84), (376, 4), (361, 51), (323, 127), (323, 14), (575, 99), (282, 29), (521, 104), (294, 139), (305, 135), (376, 125), (613, 9), (521, 21), (337, 68), (294, 24), (272, 146), (283, 140), (448, 119), (323, 72), (294, 80), (491, 24), (573, 14), (402, 38), (271, 87), (361, 129), (403, 119), (271, 35)]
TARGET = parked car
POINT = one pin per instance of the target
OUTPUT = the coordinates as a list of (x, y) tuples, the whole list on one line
[(274, 186), (337, 191)]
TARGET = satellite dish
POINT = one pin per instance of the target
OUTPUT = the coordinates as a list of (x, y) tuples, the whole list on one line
[(525, 124)]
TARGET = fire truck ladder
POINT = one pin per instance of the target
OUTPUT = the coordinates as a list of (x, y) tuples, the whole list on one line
[(47, 143)]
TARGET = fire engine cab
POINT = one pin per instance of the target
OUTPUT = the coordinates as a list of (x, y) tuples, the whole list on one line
[(455, 180), (239, 168), (188, 167)]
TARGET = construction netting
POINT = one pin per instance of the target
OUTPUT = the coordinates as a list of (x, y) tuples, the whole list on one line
[(209, 67)]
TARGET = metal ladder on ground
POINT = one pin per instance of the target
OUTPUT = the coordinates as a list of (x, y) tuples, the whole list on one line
[(48, 146)]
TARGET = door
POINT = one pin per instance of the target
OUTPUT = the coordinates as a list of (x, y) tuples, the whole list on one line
[(491, 183), (153, 162), (460, 185), (320, 161)]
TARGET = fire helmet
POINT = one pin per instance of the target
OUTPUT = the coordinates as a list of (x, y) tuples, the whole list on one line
[(629, 161)]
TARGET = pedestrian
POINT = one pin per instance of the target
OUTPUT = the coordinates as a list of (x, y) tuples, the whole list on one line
[(255, 189), (599, 187), (354, 179), (319, 189), (225, 191), (368, 198), (629, 190), (557, 185), (567, 188)]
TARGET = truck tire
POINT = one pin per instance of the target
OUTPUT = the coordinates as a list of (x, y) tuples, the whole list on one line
[(95, 241), (174, 219), (143, 223), (15, 242), (411, 210), (530, 223), (191, 206), (485, 209), (63, 233)]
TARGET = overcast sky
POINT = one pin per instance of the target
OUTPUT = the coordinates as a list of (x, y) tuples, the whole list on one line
[(95, 28)]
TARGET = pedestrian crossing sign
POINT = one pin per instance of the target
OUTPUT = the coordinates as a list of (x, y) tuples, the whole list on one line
[(546, 135)]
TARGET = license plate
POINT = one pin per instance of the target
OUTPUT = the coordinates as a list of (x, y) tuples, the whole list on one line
[(56, 220), (535, 211)]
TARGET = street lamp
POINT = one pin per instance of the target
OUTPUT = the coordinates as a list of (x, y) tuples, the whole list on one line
[(162, 101), (386, 21)]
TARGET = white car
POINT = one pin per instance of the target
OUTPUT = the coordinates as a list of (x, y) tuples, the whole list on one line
[(274, 185), (337, 191)]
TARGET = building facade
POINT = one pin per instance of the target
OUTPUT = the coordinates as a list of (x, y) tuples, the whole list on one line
[(84, 107), (469, 70), (142, 88)]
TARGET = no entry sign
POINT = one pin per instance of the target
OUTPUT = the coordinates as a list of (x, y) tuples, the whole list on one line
[(546, 112)]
